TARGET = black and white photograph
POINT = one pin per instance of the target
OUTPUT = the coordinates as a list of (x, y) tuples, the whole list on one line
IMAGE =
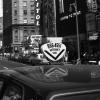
[(49, 49)]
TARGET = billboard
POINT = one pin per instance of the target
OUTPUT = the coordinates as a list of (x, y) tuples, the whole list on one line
[(35, 41)]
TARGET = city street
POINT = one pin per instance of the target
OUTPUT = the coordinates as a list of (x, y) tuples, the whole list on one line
[(8, 64), (5, 64)]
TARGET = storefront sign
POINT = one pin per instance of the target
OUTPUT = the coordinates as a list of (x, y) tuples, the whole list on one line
[(54, 51)]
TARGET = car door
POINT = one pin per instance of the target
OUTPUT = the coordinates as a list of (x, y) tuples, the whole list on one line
[(93, 94)]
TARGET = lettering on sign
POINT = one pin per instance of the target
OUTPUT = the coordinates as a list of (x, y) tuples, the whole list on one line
[(37, 13), (54, 51)]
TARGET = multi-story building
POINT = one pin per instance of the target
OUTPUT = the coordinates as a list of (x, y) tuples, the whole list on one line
[(1, 31), (7, 22), (21, 19)]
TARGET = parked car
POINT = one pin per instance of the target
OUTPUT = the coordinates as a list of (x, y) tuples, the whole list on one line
[(89, 58), (34, 60), (32, 83), (25, 59)]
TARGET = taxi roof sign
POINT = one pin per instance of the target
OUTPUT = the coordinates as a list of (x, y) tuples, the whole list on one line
[(54, 51)]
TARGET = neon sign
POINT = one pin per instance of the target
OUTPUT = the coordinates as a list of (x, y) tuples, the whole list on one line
[(37, 13)]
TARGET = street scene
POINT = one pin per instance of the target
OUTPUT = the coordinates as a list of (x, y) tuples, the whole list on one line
[(50, 50)]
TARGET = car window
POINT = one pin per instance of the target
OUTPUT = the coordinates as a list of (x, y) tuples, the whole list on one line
[(86, 96), (12, 92)]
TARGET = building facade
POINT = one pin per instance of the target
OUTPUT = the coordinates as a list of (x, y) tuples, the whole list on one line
[(1, 31), (7, 24), (21, 19)]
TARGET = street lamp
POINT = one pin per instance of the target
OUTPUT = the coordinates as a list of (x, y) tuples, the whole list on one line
[(77, 29)]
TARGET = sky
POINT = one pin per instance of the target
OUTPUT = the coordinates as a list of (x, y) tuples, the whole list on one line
[(1, 8)]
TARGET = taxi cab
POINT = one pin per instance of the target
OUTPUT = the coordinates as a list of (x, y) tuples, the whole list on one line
[(50, 83)]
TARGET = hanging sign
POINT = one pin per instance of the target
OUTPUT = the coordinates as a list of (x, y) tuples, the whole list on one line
[(54, 51)]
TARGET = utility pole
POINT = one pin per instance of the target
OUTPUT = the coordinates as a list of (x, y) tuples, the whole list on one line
[(77, 30), (55, 18)]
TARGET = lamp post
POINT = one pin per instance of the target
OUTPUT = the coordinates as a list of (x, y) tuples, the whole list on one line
[(77, 29)]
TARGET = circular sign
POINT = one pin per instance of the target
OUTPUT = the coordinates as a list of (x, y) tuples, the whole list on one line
[(54, 51)]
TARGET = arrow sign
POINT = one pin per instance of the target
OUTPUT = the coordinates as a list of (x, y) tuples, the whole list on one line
[(54, 51)]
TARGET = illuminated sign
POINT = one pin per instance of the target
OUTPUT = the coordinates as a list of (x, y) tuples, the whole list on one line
[(36, 38), (55, 39), (93, 36), (54, 51), (61, 5), (37, 13), (35, 41)]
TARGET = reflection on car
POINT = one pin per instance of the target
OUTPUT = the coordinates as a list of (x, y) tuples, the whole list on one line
[(62, 83)]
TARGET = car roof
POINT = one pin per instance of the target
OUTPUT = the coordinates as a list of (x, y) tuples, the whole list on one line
[(34, 77)]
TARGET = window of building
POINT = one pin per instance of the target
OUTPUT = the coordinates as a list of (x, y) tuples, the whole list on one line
[(33, 12), (16, 31), (24, 3), (25, 12), (25, 32), (32, 3), (15, 21), (15, 4), (32, 20), (15, 12), (32, 32), (16, 35), (25, 20)]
